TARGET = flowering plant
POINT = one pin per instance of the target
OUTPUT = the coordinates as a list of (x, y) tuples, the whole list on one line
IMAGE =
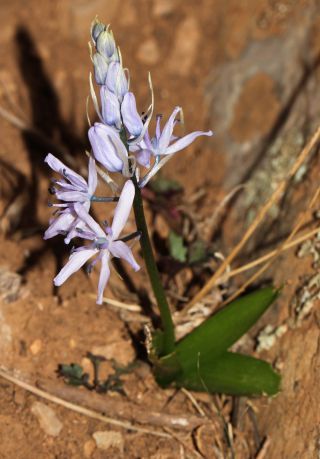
[(122, 144)]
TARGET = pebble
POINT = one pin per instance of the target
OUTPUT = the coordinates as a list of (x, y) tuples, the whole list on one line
[(36, 347), (109, 439), (47, 418), (149, 52), (10, 285)]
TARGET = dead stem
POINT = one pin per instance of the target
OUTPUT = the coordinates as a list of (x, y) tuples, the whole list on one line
[(194, 402), (263, 450), (276, 195), (79, 409), (301, 220), (267, 256)]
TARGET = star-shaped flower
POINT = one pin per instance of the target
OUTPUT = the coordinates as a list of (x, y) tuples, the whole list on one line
[(104, 243), (71, 189)]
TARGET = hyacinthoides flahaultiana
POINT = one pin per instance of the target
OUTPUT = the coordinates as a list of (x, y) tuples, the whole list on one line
[(130, 155)]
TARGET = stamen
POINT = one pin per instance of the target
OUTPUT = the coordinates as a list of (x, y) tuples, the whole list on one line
[(52, 190)]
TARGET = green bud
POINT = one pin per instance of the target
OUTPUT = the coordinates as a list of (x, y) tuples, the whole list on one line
[(96, 28), (105, 44)]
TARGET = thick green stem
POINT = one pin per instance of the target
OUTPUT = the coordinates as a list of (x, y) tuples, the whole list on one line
[(147, 252)]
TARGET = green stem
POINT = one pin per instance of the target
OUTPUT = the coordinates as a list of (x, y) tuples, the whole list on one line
[(147, 252)]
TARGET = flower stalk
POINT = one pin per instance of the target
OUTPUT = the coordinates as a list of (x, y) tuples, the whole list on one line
[(153, 273)]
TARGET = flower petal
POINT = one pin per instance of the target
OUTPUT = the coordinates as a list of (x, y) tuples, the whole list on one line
[(72, 196), (122, 211), (92, 177), (65, 171), (166, 134), (143, 157), (76, 261), (88, 220), (131, 117), (104, 276), (105, 141), (60, 225), (120, 250), (185, 141), (110, 107)]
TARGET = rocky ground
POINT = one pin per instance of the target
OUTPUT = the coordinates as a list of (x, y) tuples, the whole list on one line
[(249, 71)]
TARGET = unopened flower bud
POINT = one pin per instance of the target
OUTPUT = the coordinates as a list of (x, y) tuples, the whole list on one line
[(116, 80), (106, 45), (107, 147), (131, 118), (110, 107), (100, 68), (97, 28)]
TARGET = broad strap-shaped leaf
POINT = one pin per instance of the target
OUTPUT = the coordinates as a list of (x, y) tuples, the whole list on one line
[(218, 333), (233, 374)]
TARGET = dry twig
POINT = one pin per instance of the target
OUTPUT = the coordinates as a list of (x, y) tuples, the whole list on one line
[(78, 409), (123, 409), (301, 220), (276, 195)]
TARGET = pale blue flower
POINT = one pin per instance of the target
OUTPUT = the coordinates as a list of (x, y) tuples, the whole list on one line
[(163, 144), (70, 189), (104, 244)]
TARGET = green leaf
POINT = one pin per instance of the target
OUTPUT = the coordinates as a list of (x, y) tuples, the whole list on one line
[(176, 247), (163, 185), (219, 332), (73, 373), (197, 252), (233, 374)]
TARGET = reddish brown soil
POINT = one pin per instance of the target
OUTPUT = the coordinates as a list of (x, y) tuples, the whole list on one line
[(247, 70)]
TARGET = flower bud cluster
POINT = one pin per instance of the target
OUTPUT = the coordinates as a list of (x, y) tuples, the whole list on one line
[(121, 140)]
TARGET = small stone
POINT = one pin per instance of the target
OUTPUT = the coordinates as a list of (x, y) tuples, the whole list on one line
[(47, 418), (88, 448), (36, 346), (109, 439), (148, 52), (10, 284)]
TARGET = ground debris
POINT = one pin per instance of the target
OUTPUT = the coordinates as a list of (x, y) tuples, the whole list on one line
[(10, 285), (305, 300), (47, 418), (269, 335), (109, 439)]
